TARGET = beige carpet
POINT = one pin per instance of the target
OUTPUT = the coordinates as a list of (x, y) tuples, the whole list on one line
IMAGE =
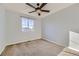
[(38, 47)]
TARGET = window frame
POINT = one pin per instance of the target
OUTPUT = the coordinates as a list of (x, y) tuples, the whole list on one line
[(27, 28)]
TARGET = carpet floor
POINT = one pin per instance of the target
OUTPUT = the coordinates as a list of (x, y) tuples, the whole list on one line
[(39, 47)]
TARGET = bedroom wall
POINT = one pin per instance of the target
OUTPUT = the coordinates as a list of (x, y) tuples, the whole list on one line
[(2, 29), (56, 27), (13, 26)]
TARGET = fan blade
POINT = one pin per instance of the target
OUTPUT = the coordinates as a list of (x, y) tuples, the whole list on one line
[(45, 10), (43, 4), (30, 5), (31, 11)]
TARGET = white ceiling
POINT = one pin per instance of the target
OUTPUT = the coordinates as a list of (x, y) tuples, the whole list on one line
[(22, 8)]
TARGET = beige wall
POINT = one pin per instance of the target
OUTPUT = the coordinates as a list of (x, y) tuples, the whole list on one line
[(10, 29), (14, 32), (2, 28), (56, 27)]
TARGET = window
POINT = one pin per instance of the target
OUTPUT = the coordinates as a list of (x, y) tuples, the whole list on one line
[(27, 24)]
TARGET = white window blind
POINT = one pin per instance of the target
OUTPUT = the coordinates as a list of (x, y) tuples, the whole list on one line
[(27, 24)]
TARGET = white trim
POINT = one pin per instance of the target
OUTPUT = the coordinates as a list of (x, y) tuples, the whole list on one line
[(53, 42)]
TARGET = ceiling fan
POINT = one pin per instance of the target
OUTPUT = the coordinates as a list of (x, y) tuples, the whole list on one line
[(39, 7)]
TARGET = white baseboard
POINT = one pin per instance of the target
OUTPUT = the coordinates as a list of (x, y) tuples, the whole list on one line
[(3, 47), (54, 42), (10, 43)]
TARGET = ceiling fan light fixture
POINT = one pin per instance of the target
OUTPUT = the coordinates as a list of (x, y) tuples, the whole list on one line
[(39, 14), (38, 4), (38, 9)]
